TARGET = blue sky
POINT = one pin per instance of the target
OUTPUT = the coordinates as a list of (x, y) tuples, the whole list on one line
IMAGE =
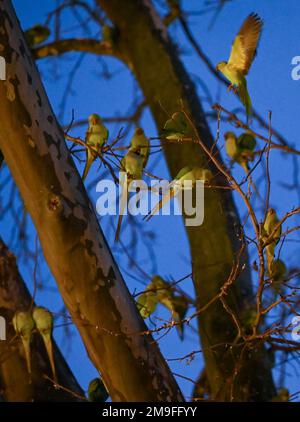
[(271, 88)]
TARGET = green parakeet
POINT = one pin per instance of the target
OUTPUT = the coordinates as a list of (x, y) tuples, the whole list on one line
[(283, 395), (269, 226), (132, 164), (109, 35), (96, 136), (140, 145), (159, 291), (97, 391), (185, 174), (174, 6), (177, 305), (247, 142), (36, 35), (278, 274), (176, 128), (24, 325), (241, 149), (241, 57), (44, 324), (147, 302), (248, 317)]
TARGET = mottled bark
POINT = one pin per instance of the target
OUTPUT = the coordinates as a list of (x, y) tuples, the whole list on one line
[(144, 41), (15, 384), (74, 247)]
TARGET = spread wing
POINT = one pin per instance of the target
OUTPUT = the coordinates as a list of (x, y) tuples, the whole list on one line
[(245, 44)]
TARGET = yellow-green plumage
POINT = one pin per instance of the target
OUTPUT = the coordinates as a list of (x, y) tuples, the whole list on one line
[(270, 229), (176, 128), (241, 57), (44, 323), (241, 149), (24, 325), (36, 35), (96, 136), (132, 164), (97, 391), (140, 145), (159, 291), (191, 174)]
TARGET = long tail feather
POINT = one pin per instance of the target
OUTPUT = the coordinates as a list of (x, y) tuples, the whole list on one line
[(245, 98), (49, 348), (26, 346), (166, 198), (89, 160), (123, 202)]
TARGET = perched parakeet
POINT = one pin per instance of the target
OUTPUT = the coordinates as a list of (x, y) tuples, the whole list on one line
[(247, 142), (185, 174), (283, 395), (147, 302), (241, 57), (97, 391), (278, 274), (36, 35), (279, 270), (132, 164), (241, 149), (159, 291), (177, 305), (174, 6), (176, 128), (248, 318), (140, 144), (109, 35), (268, 228), (24, 325), (44, 323), (96, 136)]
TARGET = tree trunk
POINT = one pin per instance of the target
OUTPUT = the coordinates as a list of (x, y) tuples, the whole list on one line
[(74, 247), (14, 380), (144, 41)]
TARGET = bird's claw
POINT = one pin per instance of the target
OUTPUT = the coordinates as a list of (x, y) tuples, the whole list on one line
[(233, 88)]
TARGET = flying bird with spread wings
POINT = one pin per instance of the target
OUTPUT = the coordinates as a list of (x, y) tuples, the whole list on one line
[(241, 57)]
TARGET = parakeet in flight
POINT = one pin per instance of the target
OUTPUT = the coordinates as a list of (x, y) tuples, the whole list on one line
[(241, 57), (96, 136), (269, 226), (24, 325), (140, 145), (176, 128), (36, 35), (185, 174), (241, 149), (44, 323), (132, 164)]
